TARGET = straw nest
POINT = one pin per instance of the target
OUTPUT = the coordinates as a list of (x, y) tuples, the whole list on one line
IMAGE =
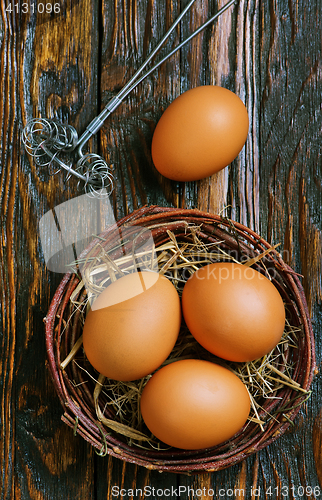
[(106, 412)]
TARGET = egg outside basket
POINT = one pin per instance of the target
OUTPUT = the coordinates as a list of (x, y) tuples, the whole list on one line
[(86, 408)]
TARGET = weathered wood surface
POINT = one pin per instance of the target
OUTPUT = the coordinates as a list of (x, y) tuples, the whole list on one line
[(269, 53)]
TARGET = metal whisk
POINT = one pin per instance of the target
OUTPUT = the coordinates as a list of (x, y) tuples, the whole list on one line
[(46, 139)]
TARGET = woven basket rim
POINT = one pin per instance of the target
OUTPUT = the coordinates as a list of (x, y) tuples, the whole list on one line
[(87, 425)]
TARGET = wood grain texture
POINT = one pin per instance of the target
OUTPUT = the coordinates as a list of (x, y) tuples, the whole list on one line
[(41, 75), (269, 53)]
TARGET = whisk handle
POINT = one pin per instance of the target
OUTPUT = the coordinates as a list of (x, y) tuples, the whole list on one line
[(97, 123)]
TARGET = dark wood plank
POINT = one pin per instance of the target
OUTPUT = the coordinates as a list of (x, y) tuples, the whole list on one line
[(47, 69), (130, 32), (8, 179)]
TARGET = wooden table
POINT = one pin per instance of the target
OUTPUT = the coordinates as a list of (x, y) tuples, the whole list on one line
[(68, 65)]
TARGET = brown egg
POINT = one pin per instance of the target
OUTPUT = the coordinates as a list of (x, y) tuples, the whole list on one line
[(233, 311), (194, 404), (132, 326), (200, 132)]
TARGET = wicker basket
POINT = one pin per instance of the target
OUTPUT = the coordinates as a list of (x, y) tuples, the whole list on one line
[(74, 387)]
